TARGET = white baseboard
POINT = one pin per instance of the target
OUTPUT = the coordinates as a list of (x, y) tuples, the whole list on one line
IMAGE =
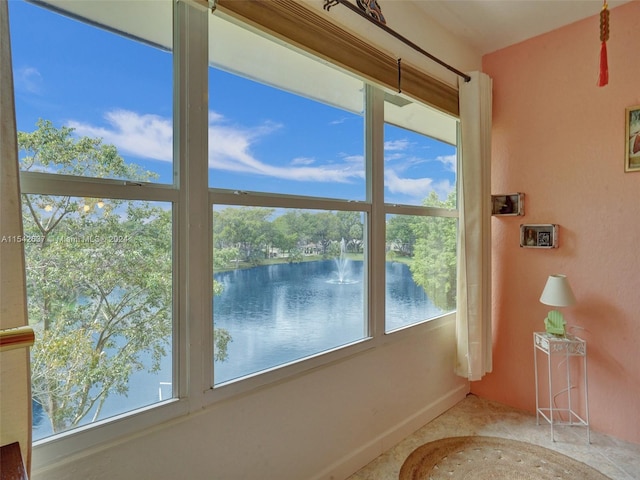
[(355, 460)]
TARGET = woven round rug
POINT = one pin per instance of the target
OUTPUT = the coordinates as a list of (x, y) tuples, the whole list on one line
[(480, 458)]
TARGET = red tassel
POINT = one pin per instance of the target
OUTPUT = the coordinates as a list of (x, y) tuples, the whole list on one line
[(604, 36), (604, 66)]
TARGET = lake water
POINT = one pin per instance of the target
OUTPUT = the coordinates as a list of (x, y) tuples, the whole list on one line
[(281, 313), (278, 314)]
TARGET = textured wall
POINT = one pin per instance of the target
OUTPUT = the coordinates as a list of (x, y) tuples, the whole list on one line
[(560, 139)]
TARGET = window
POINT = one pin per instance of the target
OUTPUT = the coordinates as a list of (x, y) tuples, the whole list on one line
[(99, 84), (99, 296), (421, 223), (290, 209), (281, 122), (289, 284), (267, 140), (94, 116)]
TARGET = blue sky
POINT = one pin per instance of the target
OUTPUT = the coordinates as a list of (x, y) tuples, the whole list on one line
[(260, 138)]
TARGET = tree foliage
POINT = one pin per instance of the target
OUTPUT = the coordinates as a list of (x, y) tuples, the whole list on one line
[(434, 265), (252, 233), (99, 279), (246, 229), (401, 234), (56, 149)]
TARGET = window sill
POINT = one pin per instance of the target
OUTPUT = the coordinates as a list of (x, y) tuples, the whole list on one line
[(267, 378), (57, 448)]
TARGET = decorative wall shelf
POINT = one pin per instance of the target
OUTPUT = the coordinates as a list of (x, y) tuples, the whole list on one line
[(507, 204), (539, 235)]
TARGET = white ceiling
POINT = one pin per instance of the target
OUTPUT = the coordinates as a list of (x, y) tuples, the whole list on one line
[(490, 25)]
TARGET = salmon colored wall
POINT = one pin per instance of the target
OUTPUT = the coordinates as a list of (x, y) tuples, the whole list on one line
[(558, 138)]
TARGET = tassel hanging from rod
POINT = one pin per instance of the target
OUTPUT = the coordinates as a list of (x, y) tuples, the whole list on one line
[(603, 78)]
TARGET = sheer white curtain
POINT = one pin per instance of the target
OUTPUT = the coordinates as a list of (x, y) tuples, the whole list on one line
[(473, 324), (15, 387)]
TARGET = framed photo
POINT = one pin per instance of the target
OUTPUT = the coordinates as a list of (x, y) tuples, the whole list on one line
[(632, 156), (507, 204), (539, 235)]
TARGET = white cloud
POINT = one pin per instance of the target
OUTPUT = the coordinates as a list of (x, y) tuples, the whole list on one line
[(443, 188), (28, 79), (302, 161), (450, 161), (230, 150), (230, 147), (390, 157), (354, 159), (143, 136), (396, 145), (417, 188), (215, 117)]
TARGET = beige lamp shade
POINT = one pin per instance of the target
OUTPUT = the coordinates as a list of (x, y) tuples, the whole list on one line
[(557, 292)]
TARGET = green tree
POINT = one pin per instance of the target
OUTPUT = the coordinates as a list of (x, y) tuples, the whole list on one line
[(401, 234), (223, 257), (290, 234), (434, 265), (350, 228), (356, 237), (325, 230), (305, 227), (99, 280), (246, 228)]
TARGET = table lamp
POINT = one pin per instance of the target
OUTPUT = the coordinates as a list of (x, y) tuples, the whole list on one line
[(557, 293)]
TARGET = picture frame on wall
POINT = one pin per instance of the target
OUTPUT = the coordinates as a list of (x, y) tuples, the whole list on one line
[(539, 235), (509, 204), (632, 142)]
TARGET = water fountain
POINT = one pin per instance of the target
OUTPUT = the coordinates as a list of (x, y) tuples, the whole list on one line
[(343, 267)]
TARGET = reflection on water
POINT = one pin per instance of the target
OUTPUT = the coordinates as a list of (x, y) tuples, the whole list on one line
[(406, 302), (281, 313)]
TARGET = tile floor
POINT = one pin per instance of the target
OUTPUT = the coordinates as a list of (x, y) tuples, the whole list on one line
[(475, 416)]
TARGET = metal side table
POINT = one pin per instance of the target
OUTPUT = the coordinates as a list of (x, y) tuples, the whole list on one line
[(558, 350)]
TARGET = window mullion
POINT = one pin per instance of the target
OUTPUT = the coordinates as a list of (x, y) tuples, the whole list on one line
[(374, 154), (194, 215)]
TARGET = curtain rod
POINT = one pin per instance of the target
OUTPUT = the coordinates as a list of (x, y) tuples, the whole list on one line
[(330, 3)]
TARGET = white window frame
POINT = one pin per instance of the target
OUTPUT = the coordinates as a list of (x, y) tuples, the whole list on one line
[(185, 393)]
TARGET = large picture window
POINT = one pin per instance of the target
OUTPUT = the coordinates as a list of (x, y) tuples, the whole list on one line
[(283, 130), (296, 215)]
